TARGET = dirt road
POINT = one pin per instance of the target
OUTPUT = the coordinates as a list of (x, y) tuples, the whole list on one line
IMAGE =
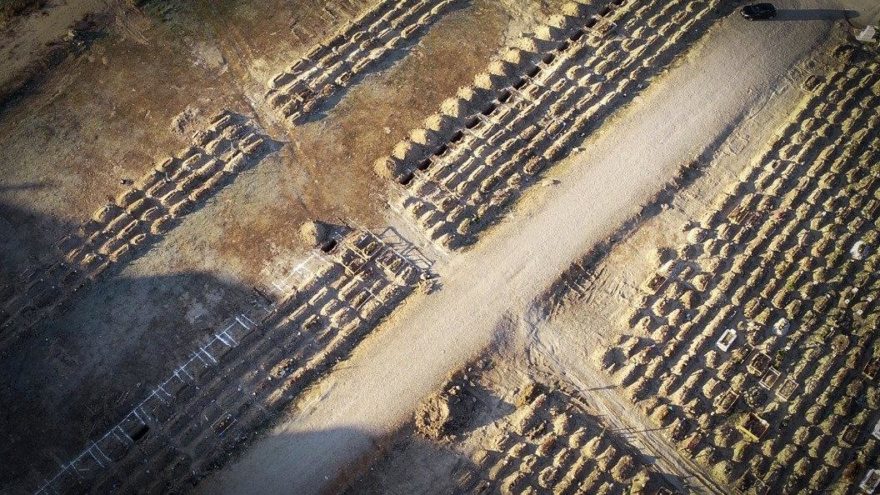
[(733, 71)]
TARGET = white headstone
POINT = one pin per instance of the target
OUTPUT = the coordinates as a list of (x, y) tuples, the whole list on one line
[(858, 250), (727, 339), (781, 326), (867, 35)]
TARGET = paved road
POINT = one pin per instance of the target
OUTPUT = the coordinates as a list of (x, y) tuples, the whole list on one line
[(379, 387)]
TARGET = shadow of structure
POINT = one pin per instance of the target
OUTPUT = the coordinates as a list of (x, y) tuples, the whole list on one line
[(814, 14), (398, 462), (87, 364), (408, 463), (27, 238), (150, 383), (126, 228)]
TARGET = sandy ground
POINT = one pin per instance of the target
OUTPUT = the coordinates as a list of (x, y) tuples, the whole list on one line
[(24, 40), (860, 12), (90, 116), (475, 435), (379, 386), (88, 119), (112, 342)]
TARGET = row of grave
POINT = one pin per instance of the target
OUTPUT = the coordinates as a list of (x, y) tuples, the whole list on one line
[(138, 217), (180, 184), (352, 295), (334, 65), (762, 347), (236, 381), (520, 436), (554, 446), (323, 13), (545, 92)]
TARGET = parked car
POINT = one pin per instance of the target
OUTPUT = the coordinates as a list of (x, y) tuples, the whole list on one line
[(759, 11)]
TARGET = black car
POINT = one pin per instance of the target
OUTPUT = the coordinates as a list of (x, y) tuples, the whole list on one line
[(759, 11)]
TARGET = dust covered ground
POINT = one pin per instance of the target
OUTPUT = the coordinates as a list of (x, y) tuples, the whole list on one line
[(120, 89), (216, 217), (503, 424)]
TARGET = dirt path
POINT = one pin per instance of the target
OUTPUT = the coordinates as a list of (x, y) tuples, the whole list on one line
[(620, 415), (378, 388)]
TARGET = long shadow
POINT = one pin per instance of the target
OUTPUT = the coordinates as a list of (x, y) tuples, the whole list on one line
[(101, 373), (88, 364), (408, 463), (814, 14), (662, 63), (397, 462), (381, 65), (27, 186), (27, 239)]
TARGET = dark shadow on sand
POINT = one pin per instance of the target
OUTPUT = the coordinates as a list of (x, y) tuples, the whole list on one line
[(814, 14)]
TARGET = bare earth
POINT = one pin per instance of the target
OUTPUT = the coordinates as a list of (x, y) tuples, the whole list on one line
[(439, 246), (698, 103)]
